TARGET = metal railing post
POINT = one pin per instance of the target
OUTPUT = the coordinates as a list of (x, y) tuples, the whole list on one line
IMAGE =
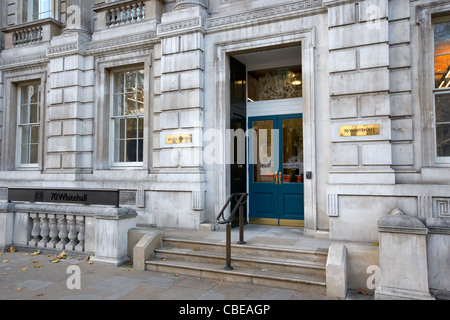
[(241, 225), (228, 257), (221, 220)]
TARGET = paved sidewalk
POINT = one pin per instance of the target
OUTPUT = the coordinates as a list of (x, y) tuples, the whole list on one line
[(27, 277)]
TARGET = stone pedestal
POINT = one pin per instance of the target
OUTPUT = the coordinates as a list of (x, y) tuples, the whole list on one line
[(403, 258), (111, 235)]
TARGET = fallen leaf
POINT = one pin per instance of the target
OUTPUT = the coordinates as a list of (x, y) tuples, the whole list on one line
[(375, 244), (196, 249), (1, 253), (6, 273), (90, 262), (5, 260), (34, 261), (176, 274), (363, 292), (12, 249), (37, 266), (163, 259), (36, 253), (54, 260), (24, 269), (86, 259), (131, 269), (61, 255), (40, 294), (20, 288)]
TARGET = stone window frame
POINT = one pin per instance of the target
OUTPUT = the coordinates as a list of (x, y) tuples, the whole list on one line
[(106, 66), (426, 17), (13, 81), (20, 18), (113, 163), (19, 124)]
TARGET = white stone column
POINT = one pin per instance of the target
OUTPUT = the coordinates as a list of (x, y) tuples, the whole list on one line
[(403, 258)]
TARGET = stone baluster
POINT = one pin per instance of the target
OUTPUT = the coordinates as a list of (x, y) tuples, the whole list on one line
[(72, 235), (141, 7), (81, 233), (53, 226), (36, 230), (45, 231), (62, 226), (134, 12), (112, 17), (129, 13)]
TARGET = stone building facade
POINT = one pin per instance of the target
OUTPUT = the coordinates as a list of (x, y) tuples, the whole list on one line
[(143, 96)]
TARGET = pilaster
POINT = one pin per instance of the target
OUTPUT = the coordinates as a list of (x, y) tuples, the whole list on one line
[(71, 95), (361, 128), (181, 97)]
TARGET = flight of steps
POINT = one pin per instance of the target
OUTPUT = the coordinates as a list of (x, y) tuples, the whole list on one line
[(295, 269)]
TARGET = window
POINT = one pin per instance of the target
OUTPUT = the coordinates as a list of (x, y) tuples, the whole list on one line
[(127, 121), (271, 84), (37, 9), (28, 124), (442, 89)]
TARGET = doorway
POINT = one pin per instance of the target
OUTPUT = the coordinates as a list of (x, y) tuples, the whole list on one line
[(266, 91), (276, 191)]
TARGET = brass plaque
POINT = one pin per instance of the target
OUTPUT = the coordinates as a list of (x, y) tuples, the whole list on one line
[(360, 130), (183, 138)]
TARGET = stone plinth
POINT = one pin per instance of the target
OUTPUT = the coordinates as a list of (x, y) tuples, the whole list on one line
[(403, 258)]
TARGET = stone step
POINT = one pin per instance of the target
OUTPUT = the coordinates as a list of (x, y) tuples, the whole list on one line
[(275, 264), (289, 281), (315, 255), (295, 269)]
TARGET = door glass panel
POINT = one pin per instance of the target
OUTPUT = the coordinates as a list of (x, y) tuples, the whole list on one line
[(292, 150), (263, 162)]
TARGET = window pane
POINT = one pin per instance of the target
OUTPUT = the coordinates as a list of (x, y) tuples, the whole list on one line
[(25, 135), (24, 154), (442, 107), (119, 129), (33, 153), (140, 150), (117, 105), (141, 127), (119, 147), (443, 140), (442, 71), (34, 136), (140, 80), (130, 103), (132, 128), (34, 113), (131, 150), (24, 114), (119, 83), (281, 83), (263, 169), (442, 38), (292, 150), (130, 81)]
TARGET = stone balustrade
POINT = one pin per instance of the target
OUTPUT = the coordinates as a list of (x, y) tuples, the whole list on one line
[(78, 229), (125, 14), (57, 231), (27, 35)]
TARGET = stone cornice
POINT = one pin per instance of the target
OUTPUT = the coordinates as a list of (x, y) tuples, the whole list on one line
[(116, 43), (263, 13), (194, 24)]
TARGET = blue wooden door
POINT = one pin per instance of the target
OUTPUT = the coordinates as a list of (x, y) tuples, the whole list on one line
[(276, 169)]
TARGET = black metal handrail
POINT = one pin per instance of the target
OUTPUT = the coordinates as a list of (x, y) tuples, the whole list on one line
[(221, 220)]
